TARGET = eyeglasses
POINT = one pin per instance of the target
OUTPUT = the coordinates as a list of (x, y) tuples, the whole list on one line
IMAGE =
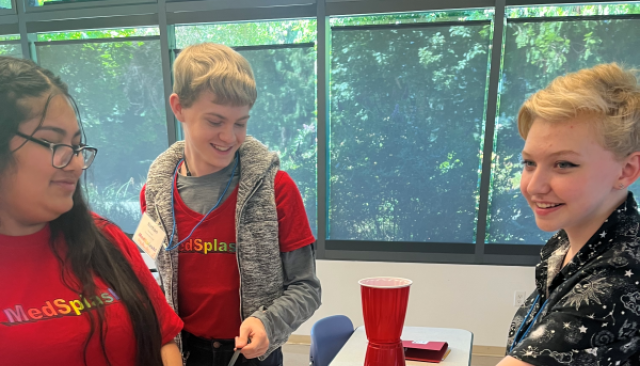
[(61, 154)]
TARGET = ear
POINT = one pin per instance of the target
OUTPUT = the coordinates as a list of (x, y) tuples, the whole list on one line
[(630, 169), (176, 107)]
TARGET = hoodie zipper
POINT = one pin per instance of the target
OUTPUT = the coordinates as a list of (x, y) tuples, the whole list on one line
[(258, 184), (170, 256)]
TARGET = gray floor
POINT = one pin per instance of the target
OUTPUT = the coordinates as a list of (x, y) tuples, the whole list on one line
[(297, 355)]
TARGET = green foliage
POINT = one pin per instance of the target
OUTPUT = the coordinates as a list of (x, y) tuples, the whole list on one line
[(248, 34), (5, 4), (573, 10), (9, 37), (407, 110), (536, 53), (10, 45), (284, 117), (118, 87), (13, 50), (98, 34), (409, 18), (118, 203)]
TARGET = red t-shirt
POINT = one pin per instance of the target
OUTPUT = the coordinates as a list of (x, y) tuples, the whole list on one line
[(208, 277), (43, 322)]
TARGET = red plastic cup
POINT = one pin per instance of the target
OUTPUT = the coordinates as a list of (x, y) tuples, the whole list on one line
[(389, 355), (384, 306)]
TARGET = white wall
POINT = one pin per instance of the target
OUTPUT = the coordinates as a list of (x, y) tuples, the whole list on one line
[(475, 298)]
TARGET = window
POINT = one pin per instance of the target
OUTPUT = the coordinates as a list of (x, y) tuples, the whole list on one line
[(248, 34), (57, 2), (282, 55), (98, 34), (10, 46), (409, 156), (538, 49), (117, 84), (407, 118)]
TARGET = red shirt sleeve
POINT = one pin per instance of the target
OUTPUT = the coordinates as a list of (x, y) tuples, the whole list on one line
[(293, 225), (143, 200), (170, 323)]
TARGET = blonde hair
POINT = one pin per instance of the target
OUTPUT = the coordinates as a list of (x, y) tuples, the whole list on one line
[(608, 95), (216, 68)]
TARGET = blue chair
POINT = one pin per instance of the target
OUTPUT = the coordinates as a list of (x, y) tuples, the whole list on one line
[(328, 335)]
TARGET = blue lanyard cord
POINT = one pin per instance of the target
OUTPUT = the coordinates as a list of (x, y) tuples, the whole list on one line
[(516, 338), (173, 211), (534, 319)]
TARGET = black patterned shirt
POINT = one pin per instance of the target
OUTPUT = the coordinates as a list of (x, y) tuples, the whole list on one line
[(592, 311)]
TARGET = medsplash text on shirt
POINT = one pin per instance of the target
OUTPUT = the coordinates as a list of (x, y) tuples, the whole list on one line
[(201, 246), (56, 309)]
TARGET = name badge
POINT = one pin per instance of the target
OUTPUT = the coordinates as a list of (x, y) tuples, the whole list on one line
[(149, 236)]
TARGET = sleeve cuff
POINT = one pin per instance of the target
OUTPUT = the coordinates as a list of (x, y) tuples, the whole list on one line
[(262, 315)]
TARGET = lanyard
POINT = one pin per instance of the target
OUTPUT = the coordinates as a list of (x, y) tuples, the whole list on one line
[(173, 211), (517, 338)]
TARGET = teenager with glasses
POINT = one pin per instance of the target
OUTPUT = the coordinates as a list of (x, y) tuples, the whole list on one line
[(61, 154), (74, 288)]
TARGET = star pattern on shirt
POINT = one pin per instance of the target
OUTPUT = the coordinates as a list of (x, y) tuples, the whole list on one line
[(528, 352), (587, 292), (628, 273)]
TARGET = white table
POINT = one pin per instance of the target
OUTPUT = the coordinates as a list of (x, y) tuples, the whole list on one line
[(460, 343)]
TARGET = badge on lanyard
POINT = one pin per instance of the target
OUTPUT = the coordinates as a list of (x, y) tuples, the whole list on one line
[(171, 246), (149, 236)]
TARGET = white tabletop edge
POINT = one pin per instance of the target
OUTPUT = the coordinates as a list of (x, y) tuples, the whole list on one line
[(460, 342)]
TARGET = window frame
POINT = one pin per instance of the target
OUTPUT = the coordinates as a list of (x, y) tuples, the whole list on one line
[(35, 45), (11, 11), (89, 5), (166, 14), (457, 250)]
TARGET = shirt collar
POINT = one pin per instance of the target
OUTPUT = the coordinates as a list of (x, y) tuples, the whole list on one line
[(623, 221)]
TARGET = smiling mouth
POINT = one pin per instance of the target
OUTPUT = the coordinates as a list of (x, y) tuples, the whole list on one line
[(222, 149), (548, 205)]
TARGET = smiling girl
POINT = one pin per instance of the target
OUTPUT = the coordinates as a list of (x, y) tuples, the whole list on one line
[(581, 153), (74, 289)]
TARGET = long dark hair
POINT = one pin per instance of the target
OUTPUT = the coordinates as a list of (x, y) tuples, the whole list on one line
[(88, 251)]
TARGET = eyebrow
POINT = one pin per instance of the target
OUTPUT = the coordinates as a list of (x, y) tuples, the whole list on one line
[(57, 130), (556, 154), (223, 117)]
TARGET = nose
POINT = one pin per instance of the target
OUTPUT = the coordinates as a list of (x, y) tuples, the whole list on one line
[(227, 135), (76, 164), (538, 182)]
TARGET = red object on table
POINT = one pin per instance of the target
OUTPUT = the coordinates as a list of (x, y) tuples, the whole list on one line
[(426, 352), (384, 306)]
